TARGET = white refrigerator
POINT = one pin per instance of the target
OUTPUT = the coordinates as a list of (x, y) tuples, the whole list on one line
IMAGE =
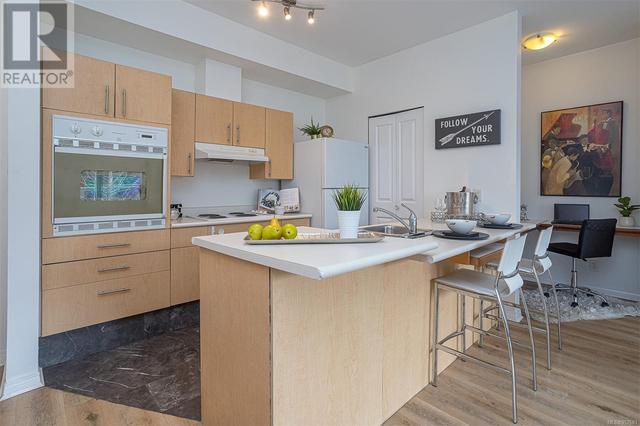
[(320, 167)]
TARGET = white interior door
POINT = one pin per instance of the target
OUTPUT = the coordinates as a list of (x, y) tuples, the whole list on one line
[(396, 163), (382, 152), (410, 163)]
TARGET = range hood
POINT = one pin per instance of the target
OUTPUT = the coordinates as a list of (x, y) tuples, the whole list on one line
[(211, 151)]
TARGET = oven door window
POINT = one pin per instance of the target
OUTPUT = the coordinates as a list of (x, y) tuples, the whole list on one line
[(96, 186)]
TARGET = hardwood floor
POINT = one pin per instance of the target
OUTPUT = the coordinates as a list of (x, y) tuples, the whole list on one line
[(595, 380), (49, 407)]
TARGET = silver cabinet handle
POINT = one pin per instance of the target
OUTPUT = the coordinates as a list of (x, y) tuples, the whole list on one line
[(124, 102), (229, 133), (189, 159), (108, 246), (114, 291), (268, 165), (106, 99), (237, 135), (115, 268)]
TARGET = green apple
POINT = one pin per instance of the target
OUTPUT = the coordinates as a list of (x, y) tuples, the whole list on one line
[(255, 231), (289, 231), (270, 232)]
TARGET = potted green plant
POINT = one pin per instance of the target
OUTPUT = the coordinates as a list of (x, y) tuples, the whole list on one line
[(626, 209), (349, 200), (312, 130)]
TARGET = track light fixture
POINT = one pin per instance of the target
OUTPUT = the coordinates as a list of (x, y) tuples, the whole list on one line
[(263, 10)]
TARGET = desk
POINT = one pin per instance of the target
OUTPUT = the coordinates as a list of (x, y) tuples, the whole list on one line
[(631, 232)]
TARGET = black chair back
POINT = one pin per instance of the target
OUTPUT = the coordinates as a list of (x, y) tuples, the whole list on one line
[(596, 238)]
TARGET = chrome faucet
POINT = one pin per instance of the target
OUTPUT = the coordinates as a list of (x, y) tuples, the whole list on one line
[(412, 226)]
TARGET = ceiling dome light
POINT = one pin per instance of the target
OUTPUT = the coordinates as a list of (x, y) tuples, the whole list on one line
[(539, 41), (263, 10), (287, 13), (311, 19)]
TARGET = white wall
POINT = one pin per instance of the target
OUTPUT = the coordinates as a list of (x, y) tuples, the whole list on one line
[(609, 73), (3, 229), (472, 70), (22, 206)]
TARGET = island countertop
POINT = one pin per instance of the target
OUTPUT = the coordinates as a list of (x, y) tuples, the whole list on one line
[(317, 261), (320, 261)]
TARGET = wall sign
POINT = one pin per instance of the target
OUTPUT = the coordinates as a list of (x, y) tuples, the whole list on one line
[(480, 128)]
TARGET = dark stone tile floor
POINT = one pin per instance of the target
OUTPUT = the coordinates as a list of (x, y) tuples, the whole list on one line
[(160, 373)]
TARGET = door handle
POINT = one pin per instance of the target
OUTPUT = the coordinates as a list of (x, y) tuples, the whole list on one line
[(238, 135), (106, 99), (108, 246), (229, 134), (115, 268), (189, 163), (124, 102), (114, 291)]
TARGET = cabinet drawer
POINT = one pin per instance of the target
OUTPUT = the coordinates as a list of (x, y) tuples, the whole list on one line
[(68, 274), (66, 249), (181, 237), (68, 308)]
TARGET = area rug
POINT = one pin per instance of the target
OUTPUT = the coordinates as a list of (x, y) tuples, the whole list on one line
[(588, 307)]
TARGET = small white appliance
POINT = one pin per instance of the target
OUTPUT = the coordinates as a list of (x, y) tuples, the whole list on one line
[(320, 167), (107, 176)]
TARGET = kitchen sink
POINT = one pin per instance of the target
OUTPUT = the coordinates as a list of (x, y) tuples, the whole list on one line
[(395, 231)]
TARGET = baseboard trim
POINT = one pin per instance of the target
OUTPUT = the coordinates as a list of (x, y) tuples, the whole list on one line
[(21, 384)]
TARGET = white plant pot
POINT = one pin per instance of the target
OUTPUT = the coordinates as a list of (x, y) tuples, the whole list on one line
[(348, 222), (627, 222)]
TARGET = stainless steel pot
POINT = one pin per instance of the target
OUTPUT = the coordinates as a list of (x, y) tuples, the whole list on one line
[(461, 203)]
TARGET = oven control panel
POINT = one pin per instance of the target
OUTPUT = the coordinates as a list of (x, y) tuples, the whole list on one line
[(75, 128)]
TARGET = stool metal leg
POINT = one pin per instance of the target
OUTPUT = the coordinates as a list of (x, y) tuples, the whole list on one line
[(434, 340), (546, 316), (481, 338), (555, 296), (464, 323), (533, 344), (514, 403)]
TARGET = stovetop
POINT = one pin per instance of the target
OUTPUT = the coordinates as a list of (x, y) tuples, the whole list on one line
[(220, 216)]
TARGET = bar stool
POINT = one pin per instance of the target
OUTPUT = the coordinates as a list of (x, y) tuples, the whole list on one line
[(540, 264), (491, 288)]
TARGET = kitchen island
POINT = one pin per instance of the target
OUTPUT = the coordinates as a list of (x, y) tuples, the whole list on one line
[(321, 334)]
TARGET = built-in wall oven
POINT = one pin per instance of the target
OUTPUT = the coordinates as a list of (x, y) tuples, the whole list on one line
[(107, 176)]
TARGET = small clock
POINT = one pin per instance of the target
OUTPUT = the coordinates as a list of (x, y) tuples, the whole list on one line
[(326, 131)]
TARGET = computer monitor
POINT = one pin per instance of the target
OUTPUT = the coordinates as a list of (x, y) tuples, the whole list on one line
[(570, 213)]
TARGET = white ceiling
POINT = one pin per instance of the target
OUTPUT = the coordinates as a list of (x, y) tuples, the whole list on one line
[(355, 32)]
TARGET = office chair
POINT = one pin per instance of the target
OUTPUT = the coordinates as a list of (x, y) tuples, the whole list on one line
[(595, 240)]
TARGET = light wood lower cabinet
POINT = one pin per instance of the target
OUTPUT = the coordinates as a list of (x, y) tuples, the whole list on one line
[(185, 276), (68, 274), (68, 308), (66, 249)]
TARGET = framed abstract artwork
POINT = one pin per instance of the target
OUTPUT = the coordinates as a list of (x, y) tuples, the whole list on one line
[(582, 151)]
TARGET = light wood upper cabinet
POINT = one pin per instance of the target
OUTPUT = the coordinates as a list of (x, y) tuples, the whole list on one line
[(214, 120), (93, 92), (183, 121), (249, 123), (142, 95), (278, 147)]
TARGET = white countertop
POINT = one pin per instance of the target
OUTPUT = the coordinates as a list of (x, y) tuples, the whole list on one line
[(320, 261), (316, 261), (186, 222), (450, 248)]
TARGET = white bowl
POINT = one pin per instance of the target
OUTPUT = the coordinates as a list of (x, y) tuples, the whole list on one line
[(498, 218), (461, 226)]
